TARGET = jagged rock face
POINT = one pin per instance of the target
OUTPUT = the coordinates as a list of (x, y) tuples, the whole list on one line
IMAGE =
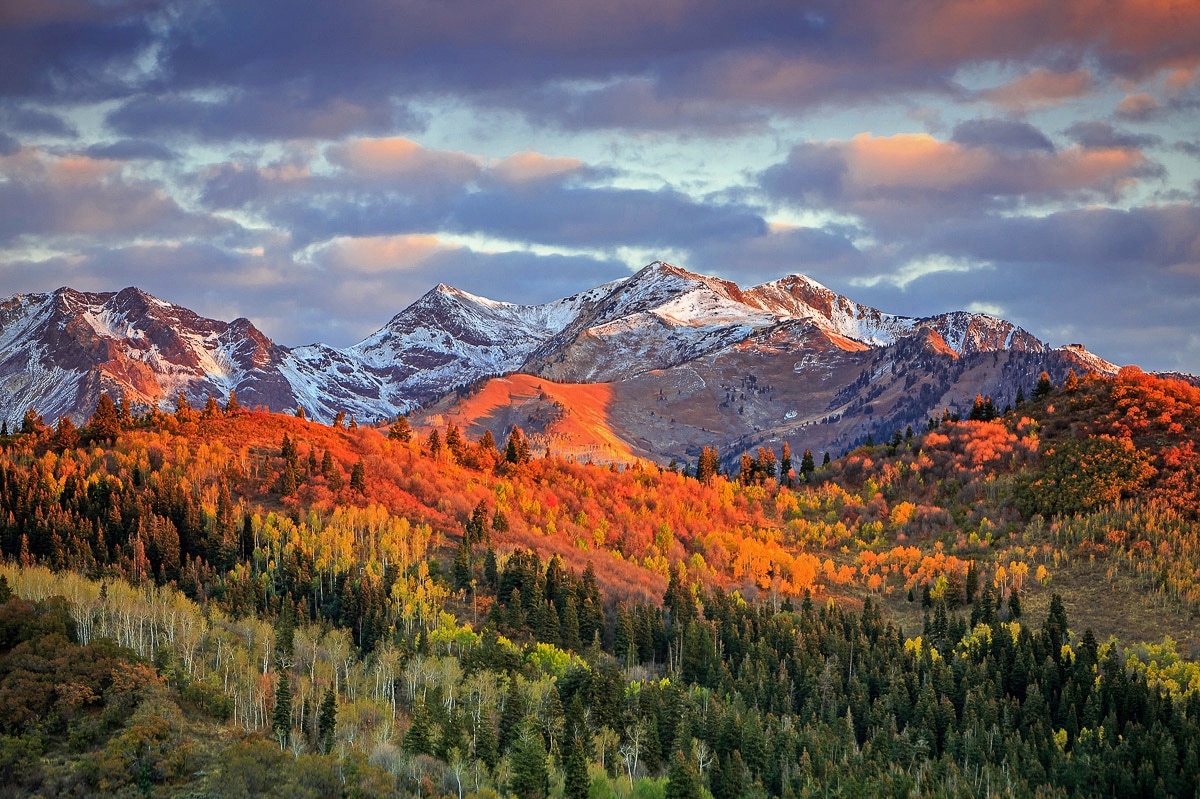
[(60, 351)]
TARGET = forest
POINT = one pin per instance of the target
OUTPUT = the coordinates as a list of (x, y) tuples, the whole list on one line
[(226, 602)]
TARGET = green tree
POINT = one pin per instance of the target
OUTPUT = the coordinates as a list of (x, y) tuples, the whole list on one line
[(682, 781), (807, 466), (530, 777), (1044, 387), (281, 715), (358, 478), (327, 722), (575, 777)]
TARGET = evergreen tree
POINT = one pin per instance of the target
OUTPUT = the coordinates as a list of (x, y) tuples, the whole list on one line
[(530, 777), (105, 424), (807, 467), (708, 465), (825, 460), (211, 409), (487, 443), (231, 405), (682, 782), (300, 412), (1020, 400), (5, 590), (358, 477), (281, 715), (462, 565), (339, 421), (575, 777), (1072, 382), (327, 723), (401, 430), (434, 443), (1044, 387)]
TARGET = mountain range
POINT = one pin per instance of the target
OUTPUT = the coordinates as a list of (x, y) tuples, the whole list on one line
[(657, 364)]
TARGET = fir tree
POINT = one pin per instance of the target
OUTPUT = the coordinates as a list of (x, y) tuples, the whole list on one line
[(231, 404), (575, 777), (682, 782), (105, 424), (530, 777), (327, 723), (807, 467), (401, 430), (1044, 387), (281, 715), (358, 478)]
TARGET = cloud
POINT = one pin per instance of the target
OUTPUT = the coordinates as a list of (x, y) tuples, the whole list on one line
[(132, 150), (403, 161), (1039, 88), (23, 119), (1138, 107), (897, 180), (78, 196), (257, 115), (1100, 135), (1001, 134), (8, 144)]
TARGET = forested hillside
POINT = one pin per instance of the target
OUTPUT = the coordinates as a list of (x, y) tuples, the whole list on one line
[(223, 602)]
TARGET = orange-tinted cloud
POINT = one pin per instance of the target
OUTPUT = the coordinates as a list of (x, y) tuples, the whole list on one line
[(898, 179), (1040, 88)]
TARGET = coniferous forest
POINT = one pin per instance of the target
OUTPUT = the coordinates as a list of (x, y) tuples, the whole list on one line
[(225, 602)]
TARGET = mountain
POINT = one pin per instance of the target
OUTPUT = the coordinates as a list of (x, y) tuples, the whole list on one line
[(687, 360)]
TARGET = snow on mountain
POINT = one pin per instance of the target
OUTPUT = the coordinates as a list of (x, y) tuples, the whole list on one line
[(59, 351)]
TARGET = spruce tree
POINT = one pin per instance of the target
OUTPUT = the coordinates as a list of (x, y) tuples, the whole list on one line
[(575, 777), (358, 478), (682, 782), (530, 777), (401, 430), (327, 723), (1044, 387), (105, 424), (807, 467), (281, 715)]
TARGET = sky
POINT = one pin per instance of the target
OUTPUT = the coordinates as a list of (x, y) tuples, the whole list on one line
[(317, 166)]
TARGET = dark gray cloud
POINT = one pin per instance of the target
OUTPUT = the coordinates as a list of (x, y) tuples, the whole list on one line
[(24, 119), (1002, 134), (259, 115), (132, 150), (1101, 135)]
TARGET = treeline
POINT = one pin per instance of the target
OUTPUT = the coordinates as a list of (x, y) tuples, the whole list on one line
[(747, 702)]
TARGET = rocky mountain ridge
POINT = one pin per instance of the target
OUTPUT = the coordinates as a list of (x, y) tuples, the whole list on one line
[(59, 351)]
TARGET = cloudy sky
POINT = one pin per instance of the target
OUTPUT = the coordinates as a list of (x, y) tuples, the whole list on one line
[(316, 166)]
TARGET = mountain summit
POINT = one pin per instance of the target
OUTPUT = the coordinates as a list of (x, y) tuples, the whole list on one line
[(59, 351)]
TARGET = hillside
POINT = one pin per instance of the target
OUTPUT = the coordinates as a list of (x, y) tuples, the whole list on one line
[(457, 603)]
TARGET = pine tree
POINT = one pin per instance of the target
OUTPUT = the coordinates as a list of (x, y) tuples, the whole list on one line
[(785, 466), (682, 782), (183, 409), (462, 565), (1072, 382), (211, 410), (825, 460), (281, 715), (358, 478), (231, 404), (105, 424), (300, 412), (530, 778), (575, 778), (1044, 387), (1020, 400), (339, 421), (708, 465), (807, 467), (401, 430), (327, 723)]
